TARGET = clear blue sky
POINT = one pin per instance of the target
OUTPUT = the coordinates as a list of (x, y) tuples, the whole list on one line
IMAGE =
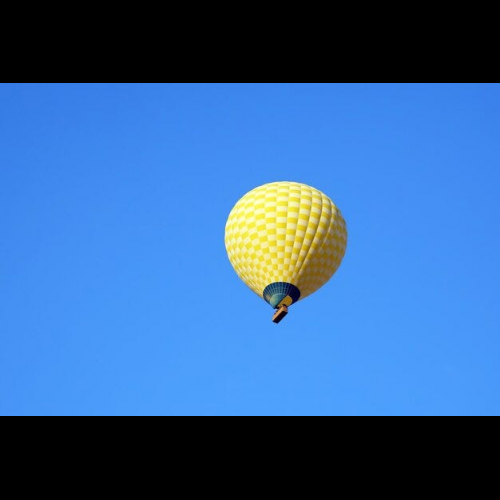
[(116, 295)]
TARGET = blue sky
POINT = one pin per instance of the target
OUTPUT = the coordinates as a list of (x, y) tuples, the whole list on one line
[(116, 295)]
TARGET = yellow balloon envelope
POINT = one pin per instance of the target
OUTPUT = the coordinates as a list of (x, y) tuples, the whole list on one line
[(285, 241)]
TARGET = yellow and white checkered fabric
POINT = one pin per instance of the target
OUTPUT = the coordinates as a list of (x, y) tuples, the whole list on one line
[(286, 232)]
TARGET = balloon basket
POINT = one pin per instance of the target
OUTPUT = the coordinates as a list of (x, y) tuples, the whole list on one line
[(280, 314)]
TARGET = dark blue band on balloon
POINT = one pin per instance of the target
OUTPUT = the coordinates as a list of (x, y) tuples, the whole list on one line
[(278, 293)]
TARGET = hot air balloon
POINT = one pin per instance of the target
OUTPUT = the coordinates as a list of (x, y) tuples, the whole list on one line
[(285, 240)]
